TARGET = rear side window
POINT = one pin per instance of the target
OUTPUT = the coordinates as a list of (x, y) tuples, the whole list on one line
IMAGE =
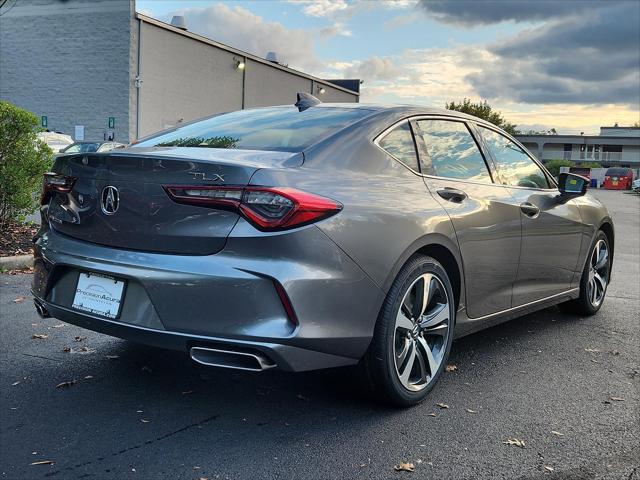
[(449, 150), (276, 128), (617, 171), (514, 166), (399, 144)]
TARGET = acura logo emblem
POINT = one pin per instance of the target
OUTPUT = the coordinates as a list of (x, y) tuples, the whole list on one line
[(110, 200)]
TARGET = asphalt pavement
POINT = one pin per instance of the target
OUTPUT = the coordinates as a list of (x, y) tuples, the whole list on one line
[(565, 386)]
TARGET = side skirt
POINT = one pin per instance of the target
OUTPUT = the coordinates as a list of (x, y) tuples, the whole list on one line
[(467, 326)]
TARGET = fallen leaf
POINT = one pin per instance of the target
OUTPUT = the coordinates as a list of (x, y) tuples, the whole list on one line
[(58, 326), (514, 441), (431, 414), (19, 300), (548, 468), (40, 336), (471, 411), (442, 405), (15, 383), (404, 467), (451, 368), (555, 432), (66, 349), (592, 350), (144, 420), (614, 352), (113, 357), (80, 339), (42, 462), (616, 399), (88, 377), (187, 392), (66, 384)]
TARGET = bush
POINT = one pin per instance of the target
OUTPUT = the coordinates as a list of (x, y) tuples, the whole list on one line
[(23, 160), (554, 166)]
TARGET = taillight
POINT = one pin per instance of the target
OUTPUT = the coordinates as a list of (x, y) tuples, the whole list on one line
[(55, 183), (267, 208)]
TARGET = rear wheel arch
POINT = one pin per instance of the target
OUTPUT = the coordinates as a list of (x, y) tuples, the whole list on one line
[(607, 228), (441, 249)]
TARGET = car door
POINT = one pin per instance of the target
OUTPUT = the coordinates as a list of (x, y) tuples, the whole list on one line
[(551, 224), (483, 214)]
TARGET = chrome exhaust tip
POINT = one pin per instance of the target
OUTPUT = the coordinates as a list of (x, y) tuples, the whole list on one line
[(42, 311), (214, 357)]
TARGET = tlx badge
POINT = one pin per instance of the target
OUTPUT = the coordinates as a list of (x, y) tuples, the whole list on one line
[(213, 178)]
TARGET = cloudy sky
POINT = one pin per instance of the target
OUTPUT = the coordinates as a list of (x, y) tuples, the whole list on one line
[(571, 65)]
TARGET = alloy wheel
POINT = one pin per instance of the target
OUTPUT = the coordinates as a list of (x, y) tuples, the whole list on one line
[(422, 330), (598, 273)]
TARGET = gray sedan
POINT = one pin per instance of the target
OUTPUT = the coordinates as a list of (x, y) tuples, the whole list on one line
[(318, 235)]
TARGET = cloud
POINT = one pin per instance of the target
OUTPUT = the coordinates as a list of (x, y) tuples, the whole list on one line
[(322, 8), (335, 30), (244, 30), (592, 59), (487, 12), (372, 69)]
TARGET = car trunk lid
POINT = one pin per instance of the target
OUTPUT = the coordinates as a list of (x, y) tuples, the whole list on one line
[(118, 198)]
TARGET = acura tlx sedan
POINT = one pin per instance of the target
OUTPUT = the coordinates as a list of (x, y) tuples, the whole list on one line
[(318, 235)]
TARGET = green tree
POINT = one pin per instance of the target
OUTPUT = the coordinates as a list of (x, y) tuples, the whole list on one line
[(554, 166), (23, 160), (483, 110)]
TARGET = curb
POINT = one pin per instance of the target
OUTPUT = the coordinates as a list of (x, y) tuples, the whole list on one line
[(16, 262)]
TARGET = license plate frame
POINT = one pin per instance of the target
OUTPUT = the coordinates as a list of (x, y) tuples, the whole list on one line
[(102, 291)]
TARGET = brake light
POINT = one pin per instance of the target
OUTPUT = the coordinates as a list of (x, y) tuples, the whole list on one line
[(267, 208), (55, 183)]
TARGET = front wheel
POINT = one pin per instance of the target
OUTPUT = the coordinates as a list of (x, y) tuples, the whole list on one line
[(594, 280), (413, 334)]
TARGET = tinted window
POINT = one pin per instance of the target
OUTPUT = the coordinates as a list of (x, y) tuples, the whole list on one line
[(399, 143), (617, 171), (450, 151), (276, 128), (82, 148), (515, 166)]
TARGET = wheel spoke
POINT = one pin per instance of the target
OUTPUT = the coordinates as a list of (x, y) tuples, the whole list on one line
[(423, 377), (599, 281), (436, 316), (403, 322), (441, 330), (406, 347), (422, 292), (405, 369), (602, 260), (424, 346)]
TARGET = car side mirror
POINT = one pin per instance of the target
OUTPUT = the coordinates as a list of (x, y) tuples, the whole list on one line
[(572, 185)]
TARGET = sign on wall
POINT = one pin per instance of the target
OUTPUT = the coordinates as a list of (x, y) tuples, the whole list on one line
[(78, 133), (44, 121), (112, 122)]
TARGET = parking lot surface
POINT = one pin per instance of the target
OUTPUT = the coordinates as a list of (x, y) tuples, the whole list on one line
[(567, 387)]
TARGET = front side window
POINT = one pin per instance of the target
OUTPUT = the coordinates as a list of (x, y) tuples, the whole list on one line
[(515, 167), (399, 144), (450, 151)]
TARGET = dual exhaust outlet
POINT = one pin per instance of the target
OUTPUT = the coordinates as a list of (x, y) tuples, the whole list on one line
[(215, 357)]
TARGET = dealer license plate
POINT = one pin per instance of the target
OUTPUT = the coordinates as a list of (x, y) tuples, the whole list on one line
[(99, 294)]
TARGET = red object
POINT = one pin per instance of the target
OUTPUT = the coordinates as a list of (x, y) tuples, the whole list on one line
[(618, 178), (267, 208), (55, 183), (286, 303)]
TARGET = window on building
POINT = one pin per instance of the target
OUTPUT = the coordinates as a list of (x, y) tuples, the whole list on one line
[(399, 144), (449, 150), (568, 149), (514, 166)]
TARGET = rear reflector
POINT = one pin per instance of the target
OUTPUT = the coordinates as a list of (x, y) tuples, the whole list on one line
[(55, 183), (267, 208)]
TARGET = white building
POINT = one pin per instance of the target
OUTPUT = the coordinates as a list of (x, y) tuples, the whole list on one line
[(615, 146)]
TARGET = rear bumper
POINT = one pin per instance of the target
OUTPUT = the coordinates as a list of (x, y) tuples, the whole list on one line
[(224, 300)]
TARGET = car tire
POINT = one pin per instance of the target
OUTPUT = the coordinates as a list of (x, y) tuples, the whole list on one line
[(587, 303), (420, 346)]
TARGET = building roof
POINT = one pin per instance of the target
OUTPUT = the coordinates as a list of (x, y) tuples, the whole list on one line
[(241, 53)]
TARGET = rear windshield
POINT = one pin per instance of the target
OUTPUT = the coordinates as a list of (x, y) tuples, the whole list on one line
[(82, 148), (278, 128), (617, 171)]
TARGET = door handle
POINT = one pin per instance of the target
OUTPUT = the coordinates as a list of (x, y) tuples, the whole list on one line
[(529, 209), (452, 194)]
